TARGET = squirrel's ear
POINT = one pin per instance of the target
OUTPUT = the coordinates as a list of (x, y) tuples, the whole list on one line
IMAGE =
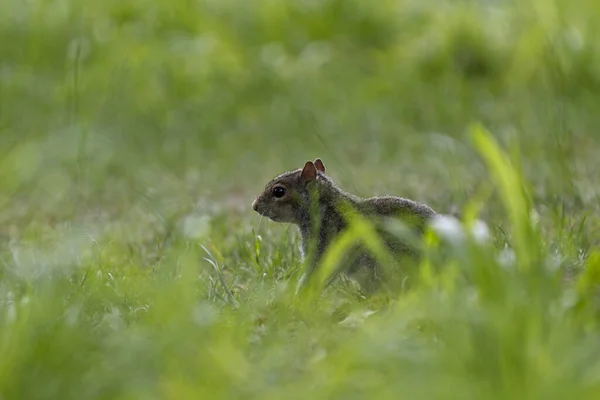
[(309, 172), (320, 166)]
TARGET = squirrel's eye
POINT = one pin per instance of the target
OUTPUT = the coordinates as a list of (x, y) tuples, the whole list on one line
[(278, 192)]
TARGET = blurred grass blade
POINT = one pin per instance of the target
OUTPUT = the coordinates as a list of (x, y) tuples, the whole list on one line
[(510, 187)]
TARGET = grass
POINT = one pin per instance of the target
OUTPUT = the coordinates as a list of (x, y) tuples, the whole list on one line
[(135, 135)]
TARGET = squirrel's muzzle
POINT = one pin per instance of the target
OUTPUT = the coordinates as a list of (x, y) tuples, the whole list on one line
[(255, 205)]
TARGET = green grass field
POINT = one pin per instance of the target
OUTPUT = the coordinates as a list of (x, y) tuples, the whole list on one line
[(134, 136)]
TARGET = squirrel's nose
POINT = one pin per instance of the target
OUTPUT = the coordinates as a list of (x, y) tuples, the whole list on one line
[(254, 205)]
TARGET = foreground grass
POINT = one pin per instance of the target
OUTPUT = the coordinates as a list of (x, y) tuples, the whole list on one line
[(134, 137)]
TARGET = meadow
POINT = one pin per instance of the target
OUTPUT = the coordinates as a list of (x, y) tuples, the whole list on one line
[(135, 135)]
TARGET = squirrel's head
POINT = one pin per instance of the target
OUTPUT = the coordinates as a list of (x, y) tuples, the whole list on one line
[(286, 196)]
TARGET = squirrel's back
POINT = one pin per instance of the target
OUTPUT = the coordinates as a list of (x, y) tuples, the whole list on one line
[(392, 206)]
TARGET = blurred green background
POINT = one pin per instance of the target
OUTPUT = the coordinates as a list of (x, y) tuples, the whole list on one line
[(132, 132)]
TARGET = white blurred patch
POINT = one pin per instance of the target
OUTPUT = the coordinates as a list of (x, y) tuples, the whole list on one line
[(451, 229), (554, 261), (35, 260), (196, 226), (205, 314), (480, 231), (507, 257), (113, 319), (448, 227)]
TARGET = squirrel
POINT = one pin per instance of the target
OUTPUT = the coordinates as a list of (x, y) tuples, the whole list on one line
[(310, 199)]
